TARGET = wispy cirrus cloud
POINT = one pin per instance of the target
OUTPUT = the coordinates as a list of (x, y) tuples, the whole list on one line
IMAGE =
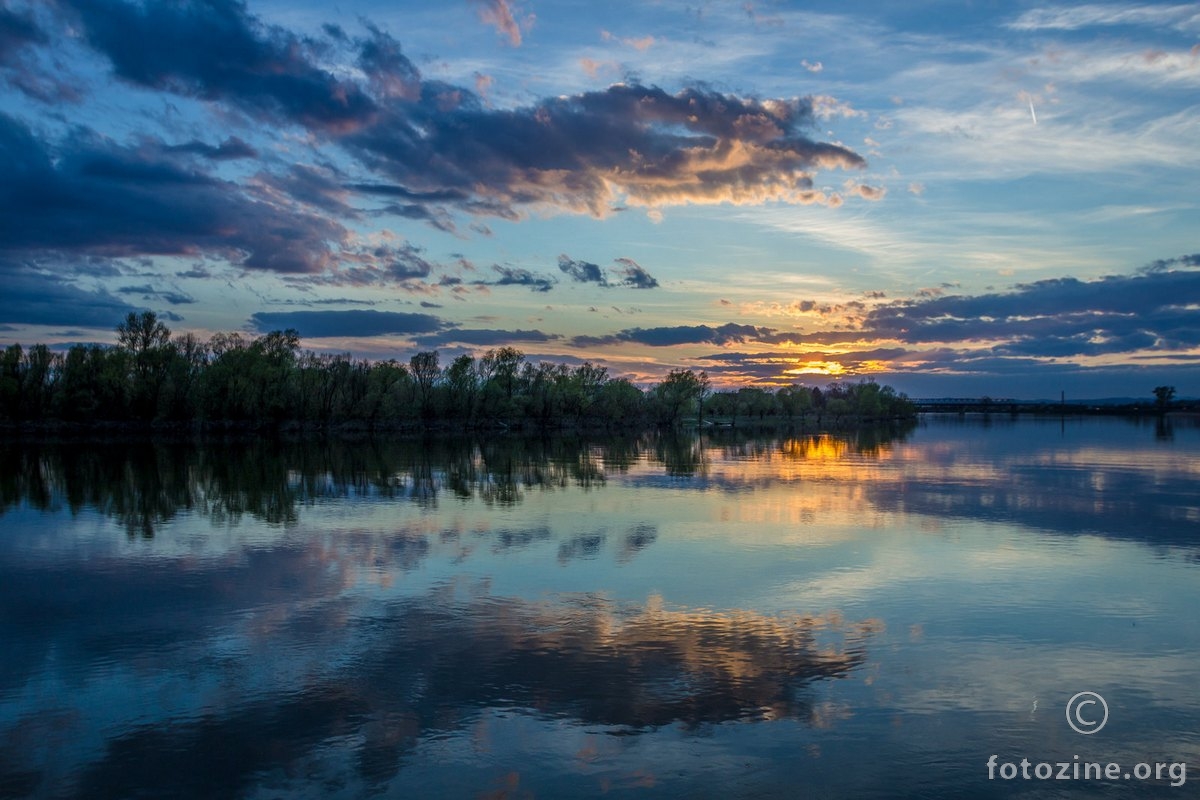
[(503, 16), (1183, 17)]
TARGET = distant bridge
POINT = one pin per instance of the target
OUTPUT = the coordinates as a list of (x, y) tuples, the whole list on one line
[(964, 403)]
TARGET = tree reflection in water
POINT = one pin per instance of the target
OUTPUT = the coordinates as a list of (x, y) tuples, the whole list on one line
[(145, 484)]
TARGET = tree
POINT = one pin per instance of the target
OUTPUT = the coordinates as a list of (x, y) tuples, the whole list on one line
[(794, 400), (703, 392), (1163, 395), (619, 401), (148, 343), (498, 372), (425, 371), (141, 332), (676, 394), (462, 383), (10, 381)]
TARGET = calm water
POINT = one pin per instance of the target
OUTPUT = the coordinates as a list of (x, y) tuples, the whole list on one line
[(872, 616)]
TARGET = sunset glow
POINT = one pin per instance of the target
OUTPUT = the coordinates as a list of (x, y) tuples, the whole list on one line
[(730, 188)]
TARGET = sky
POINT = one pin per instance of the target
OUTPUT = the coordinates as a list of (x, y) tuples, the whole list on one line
[(957, 199)]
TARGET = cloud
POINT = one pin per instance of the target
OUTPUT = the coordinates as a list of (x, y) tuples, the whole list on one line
[(148, 292), (585, 153), (16, 31), (774, 366), (231, 149), (316, 187), (515, 276), (729, 333), (217, 50), (380, 265), (91, 195), (198, 271), (635, 276), (485, 337), (330, 324), (19, 34), (329, 301), (866, 192), (632, 274), (582, 271), (641, 43), (1182, 17), (1053, 318), (500, 14), (390, 74), (36, 298), (826, 107)]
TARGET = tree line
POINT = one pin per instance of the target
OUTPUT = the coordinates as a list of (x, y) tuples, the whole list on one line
[(151, 376)]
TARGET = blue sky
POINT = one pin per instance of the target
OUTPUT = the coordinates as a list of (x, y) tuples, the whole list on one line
[(952, 198)]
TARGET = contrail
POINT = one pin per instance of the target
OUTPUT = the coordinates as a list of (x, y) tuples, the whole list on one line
[(1032, 113)]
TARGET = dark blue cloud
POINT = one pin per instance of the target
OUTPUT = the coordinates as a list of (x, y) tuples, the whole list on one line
[(231, 149), (148, 292), (35, 298), (729, 333), (793, 356), (402, 265), (92, 196), (635, 276), (20, 34), (484, 337), (436, 138), (327, 324), (428, 149), (215, 50), (632, 274), (582, 271), (568, 152), (515, 276), (17, 31), (1052, 318)]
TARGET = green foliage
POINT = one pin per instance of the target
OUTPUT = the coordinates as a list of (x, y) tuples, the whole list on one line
[(151, 377), (838, 402), (679, 392)]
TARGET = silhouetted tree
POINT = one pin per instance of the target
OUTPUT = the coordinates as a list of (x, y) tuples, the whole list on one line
[(425, 372), (148, 343), (232, 378), (1163, 395)]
